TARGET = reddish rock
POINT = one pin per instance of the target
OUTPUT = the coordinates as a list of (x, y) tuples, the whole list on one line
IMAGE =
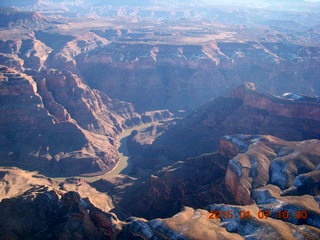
[(242, 90), (254, 113), (272, 160), (49, 214), (174, 77), (282, 107), (54, 123)]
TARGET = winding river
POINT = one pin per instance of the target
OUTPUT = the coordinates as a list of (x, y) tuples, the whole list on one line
[(123, 154)]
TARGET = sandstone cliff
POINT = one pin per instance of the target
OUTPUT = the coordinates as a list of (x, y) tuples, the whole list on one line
[(182, 76), (245, 112), (33, 206), (64, 83), (249, 183), (53, 115), (13, 17), (263, 160), (52, 122), (50, 210)]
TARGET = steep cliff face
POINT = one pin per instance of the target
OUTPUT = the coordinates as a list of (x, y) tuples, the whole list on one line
[(36, 207), (269, 160), (33, 206), (21, 54), (54, 123), (52, 215), (68, 46), (86, 106), (247, 112), (185, 76), (254, 186), (52, 115), (194, 182), (14, 17)]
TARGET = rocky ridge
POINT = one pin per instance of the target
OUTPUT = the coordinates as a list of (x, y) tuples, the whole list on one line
[(69, 127), (51, 210), (59, 212), (54, 136), (12, 17), (246, 111), (167, 66), (64, 122), (252, 174), (184, 76)]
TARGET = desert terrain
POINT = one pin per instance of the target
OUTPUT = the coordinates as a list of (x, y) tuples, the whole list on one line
[(159, 120)]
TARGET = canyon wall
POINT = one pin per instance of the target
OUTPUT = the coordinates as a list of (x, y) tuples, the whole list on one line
[(164, 76), (245, 112)]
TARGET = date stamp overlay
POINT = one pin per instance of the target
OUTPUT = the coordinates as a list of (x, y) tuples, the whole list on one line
[(262, 214)]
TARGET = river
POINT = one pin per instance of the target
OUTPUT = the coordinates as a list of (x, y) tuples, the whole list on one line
[(123, 154)]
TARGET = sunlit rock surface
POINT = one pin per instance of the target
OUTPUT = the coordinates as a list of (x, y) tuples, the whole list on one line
[(246, 111), (67, 75), (52, 122)]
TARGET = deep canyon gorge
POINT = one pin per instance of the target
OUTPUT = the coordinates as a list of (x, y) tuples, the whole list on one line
[(218, 105)]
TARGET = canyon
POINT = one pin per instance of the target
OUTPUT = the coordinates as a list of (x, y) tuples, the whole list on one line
[(247, 111), (218, 105), (54, 123), (236, 179)]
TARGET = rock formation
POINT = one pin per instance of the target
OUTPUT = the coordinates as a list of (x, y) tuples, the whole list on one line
[(263, 160), (242, 166), (13, 17), (245, 112), (258, 175), (52, 122), (50, 210), (39, 132), (185, 76), (50, 215)]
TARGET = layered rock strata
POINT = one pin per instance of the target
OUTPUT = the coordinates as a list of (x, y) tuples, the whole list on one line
[(247, 111), (52, 122)]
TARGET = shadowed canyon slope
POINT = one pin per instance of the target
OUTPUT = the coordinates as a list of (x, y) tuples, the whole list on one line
[(210, 156), (171, 64), (261, 175), (246, 111), (35, 124), (265, 175), (52, 122), (183, 76), (243, 162)]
